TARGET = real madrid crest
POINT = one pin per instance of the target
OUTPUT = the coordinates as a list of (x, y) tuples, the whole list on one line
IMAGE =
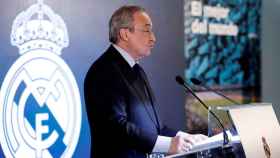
[(40, 105)]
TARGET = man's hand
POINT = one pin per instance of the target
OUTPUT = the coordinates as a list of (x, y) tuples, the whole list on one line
[(179, 144), (183, 142)]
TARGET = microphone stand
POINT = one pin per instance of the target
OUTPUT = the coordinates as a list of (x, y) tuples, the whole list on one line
[(182, 82)]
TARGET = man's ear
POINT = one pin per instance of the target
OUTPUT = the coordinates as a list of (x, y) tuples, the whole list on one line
[(123, 34)]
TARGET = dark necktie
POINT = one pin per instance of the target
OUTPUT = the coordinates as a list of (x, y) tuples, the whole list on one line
[(140, 76), (137, 71)]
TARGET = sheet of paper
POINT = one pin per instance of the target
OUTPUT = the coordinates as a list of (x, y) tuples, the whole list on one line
[(210, 143)]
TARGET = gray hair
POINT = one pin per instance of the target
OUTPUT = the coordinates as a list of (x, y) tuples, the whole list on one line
[(122, 18)]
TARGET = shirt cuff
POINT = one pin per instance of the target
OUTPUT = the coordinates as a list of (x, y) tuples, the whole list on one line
[(162, 144), (183, 134)]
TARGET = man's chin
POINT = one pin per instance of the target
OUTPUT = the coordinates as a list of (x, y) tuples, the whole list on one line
[(148, 53), (145, 54)]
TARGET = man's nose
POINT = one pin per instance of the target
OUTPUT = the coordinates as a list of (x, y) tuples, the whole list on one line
[(153, 37)]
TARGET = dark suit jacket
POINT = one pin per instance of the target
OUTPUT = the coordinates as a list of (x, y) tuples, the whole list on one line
[(121, 109)]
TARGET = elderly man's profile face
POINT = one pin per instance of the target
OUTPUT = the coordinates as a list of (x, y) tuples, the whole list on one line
[(141, 39)]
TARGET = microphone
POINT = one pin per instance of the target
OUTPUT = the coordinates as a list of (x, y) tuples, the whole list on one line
[(181, 82), (197, 82)]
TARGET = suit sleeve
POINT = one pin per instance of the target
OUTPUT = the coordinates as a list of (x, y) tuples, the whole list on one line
[(166, 131)]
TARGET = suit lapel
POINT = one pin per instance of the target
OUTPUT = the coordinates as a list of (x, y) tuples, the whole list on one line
[(151, 96)]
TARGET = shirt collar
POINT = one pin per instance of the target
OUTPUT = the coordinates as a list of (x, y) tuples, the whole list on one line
[(128, 58)]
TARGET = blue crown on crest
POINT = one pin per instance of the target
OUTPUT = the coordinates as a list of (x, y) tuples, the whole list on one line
[(39, 28)]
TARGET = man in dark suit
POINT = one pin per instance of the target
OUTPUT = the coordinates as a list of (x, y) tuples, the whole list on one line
[(120, 103)]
